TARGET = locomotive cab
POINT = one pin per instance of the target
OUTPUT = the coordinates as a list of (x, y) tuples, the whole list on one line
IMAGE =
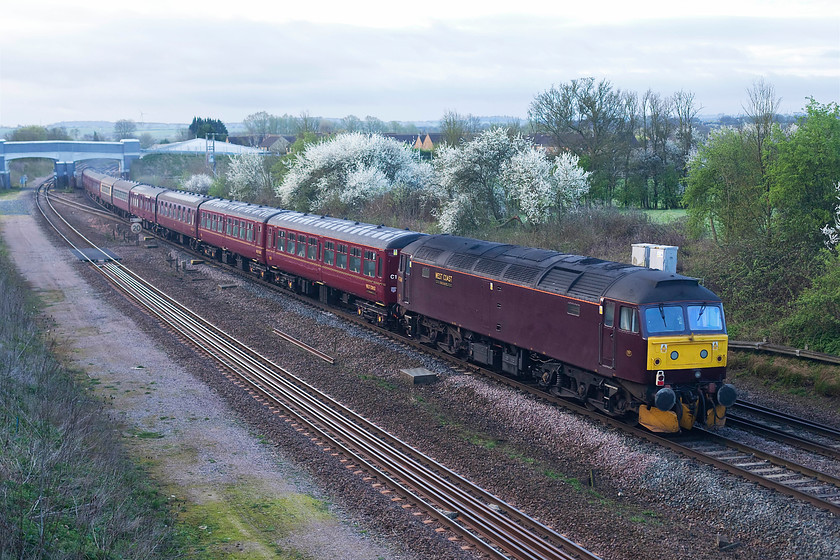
[(686, 354)]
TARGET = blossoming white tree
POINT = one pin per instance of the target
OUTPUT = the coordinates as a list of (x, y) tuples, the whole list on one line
[(199, 183), (247, 175), (349, 169), (495, 176)]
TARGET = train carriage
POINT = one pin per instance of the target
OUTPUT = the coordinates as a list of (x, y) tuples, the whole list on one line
[(177, 215), (235, 231), (352, 260), (99, 186), (90, 182), (120, 194), (106, 189), (620, 337), (143, 203)]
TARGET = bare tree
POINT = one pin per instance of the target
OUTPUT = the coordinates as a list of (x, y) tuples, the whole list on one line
[(686, 111), (457, 128), (374, 125), (762, 113), (124, 128), (305, 123), (258, 126), (584, 116), (351, 123)]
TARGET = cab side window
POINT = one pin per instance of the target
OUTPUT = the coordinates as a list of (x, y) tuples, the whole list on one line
[(629, 319), (609, 314)]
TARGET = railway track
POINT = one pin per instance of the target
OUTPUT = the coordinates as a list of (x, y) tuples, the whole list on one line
[(784, 428), (750, 463), (486, 522)]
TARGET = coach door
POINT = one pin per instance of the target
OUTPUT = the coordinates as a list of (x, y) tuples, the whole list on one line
[(608, 334)]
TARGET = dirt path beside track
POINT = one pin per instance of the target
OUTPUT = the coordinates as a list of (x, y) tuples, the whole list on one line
[(235, 494)]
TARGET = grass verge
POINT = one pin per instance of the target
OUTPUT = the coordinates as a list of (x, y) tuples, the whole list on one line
[(67, 487)]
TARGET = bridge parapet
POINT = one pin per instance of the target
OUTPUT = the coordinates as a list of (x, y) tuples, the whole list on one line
[(66, 153)]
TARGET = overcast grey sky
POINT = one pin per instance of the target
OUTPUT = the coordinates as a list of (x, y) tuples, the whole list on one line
[(171, 60)]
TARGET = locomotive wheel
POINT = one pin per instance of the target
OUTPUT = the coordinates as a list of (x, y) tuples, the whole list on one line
[(451, 343)]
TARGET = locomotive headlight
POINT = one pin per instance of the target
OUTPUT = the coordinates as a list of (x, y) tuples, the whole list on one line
[(704, 354), (697, 374), (675, 355)]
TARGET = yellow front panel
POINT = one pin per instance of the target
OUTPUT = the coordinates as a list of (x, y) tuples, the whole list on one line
[(689, 351)]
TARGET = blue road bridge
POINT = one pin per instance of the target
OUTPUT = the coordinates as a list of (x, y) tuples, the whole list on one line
[(66, 153)]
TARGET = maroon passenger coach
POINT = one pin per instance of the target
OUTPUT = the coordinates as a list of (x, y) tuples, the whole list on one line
[(331, 258)]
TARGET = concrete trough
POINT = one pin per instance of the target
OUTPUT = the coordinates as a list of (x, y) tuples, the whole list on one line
[(418, 376), (95, 255)]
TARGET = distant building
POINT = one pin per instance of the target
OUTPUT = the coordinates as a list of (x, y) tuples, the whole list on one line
[(201, 146), (425, 142)]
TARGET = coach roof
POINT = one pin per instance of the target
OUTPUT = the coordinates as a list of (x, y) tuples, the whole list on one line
[(242, 210), (182, 197), (148, 190), (380, 237)]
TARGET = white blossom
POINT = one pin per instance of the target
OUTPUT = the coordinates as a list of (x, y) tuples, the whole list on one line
[(495, 176), (833, 233), (247, 175), (199, 183), (350, 168)]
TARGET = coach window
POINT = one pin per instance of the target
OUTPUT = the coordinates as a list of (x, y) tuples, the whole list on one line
[(355, 259), (329, 252), (301, 246), (313, 249), (281, 241), (290, 243), (629, 320), (370, 264), (341, 256), (236, 228), (229, 226)]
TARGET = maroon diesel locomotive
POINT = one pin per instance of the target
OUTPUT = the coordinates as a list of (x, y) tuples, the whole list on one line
[(622, 338)]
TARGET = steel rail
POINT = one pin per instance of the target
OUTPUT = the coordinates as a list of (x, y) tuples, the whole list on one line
[(771, 348), (357, 442), (787, 418), (474, 510), (780, 435)]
